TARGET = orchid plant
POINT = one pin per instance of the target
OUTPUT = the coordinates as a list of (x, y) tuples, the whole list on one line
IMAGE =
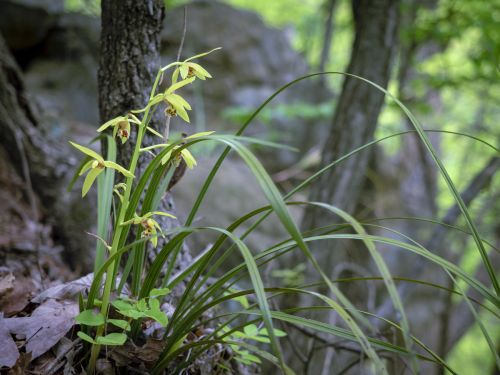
[(184, 73)]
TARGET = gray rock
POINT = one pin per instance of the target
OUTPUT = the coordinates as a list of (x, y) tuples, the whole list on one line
[(25, 23)]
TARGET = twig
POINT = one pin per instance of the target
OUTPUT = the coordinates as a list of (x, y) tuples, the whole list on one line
[(179, 51)]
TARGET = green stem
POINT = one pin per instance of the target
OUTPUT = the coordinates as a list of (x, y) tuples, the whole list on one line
[(108, 286)]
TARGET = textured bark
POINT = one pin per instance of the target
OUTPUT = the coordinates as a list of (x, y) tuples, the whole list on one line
[(129, 62), (21, 135), (44, 166), (358, 108), (353, 125)]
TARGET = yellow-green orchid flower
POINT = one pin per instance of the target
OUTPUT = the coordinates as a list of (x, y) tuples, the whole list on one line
[(149, 225), (184, 154), (121, 126), (96, 167), (190, 70), (176, 105)]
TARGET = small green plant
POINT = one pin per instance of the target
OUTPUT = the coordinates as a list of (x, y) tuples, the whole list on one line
[(149, 307), (250, 333), (110, 317)]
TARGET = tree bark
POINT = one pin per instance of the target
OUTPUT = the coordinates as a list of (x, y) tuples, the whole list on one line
[(44, 165), (129, 62), (353, 125), (356, 115)]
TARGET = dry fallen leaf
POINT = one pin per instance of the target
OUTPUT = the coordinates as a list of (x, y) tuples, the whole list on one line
[(9, 353), (46, 326), (6, 283), (15, 293), (65, 291)]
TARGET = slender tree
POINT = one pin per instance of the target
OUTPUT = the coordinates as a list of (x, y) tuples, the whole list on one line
[(356, 114)]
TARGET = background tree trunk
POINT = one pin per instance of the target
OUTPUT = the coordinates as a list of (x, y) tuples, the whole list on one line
[(357, 111), (354, 123)]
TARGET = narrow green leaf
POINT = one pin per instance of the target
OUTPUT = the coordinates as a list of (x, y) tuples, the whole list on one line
[(159, 292), (200, 134), (119, 168), (87, 151), (179, 85), (89, 180), (111, 123), (251, 330), (188, 158), (202, 54)]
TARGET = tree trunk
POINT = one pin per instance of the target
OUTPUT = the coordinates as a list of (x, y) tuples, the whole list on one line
[(129, 62), (358, 108), (44, 165), (354, 123)]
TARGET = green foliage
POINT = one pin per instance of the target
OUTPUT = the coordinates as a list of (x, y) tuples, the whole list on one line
[(250, 332), (136, 200)]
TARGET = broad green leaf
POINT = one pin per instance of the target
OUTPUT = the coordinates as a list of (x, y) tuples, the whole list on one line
[(158, 316), (86, 337), (154, 304), (122, 305), (263, 339), (89, 318), (277, 332), (134, 314), (142, 305), (87, 151), (112, 339), (120, 323)]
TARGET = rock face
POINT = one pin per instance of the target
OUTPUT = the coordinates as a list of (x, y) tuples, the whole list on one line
[(58, 52), (254, 62)]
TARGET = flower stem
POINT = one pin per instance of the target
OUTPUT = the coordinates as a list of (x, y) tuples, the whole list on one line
[(108, 286)]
